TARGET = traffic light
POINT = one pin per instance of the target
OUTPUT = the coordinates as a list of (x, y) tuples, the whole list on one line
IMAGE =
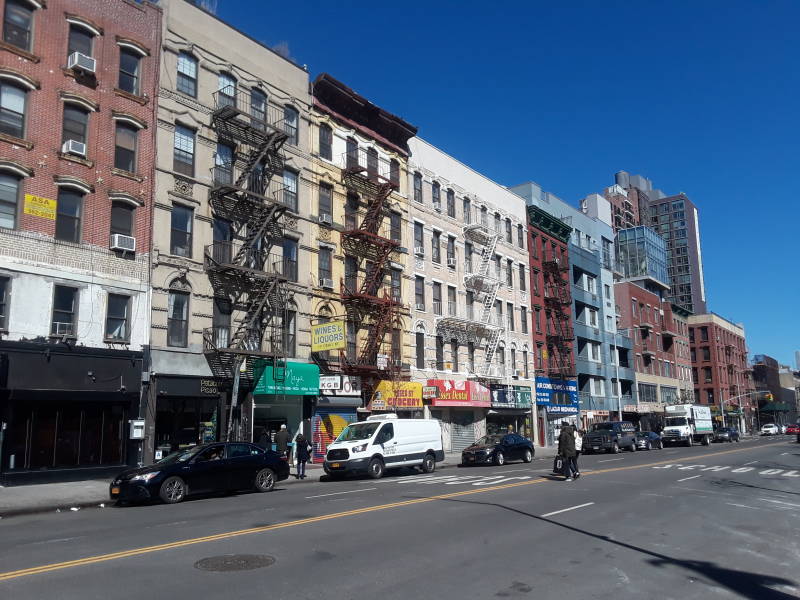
[(768, 397)]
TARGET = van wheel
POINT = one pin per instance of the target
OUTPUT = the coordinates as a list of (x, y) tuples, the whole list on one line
[(375, 468), (528, 456), (499, 458), (614, 448), (633, 446), (428, 464)]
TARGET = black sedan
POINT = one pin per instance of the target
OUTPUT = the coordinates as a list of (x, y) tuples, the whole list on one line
[(726, 434), (208, 468), (497, 449), (648, 440)]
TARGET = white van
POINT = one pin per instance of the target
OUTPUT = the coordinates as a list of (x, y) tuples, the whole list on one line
[(385, 442)]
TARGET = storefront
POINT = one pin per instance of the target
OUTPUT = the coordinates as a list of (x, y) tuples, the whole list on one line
[(402, 397), (461, 407), (286, 400), (556, 403), (511, 411), (337, 405), (66, 411)]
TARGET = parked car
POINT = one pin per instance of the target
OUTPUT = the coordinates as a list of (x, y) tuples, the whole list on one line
[(207, 468), (770, 429), (793, 429), (498, 449), (648, 440), (610, 436), (726, 434)]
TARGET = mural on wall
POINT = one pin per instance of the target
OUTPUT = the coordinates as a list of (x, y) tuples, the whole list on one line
[(326, 426)]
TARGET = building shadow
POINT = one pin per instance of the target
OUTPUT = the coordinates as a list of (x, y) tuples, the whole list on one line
[(745, 584)]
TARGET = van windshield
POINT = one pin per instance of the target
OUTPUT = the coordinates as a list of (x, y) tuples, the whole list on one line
[(675, 421), (358, 431)]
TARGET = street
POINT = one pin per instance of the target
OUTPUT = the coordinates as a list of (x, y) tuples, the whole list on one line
[(699, 522)]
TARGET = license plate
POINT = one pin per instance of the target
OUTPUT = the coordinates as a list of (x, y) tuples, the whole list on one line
[(335, 465), (471, 458), (115, 490), (595, 447)]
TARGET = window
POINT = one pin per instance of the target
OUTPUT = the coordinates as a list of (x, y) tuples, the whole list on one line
[(18, 24), (468, 257), (467, 211), (4, 286), (80, 40), (591, 285), (117, 317), (290, 189), (451, 301), (125, 147), (325, 199), (325, 142), (65, 310), (497, 222), (510, 273), (394, 172), (436, 194), (451, 203), (706, 353), (187, 74), (223, 164), (258, 109), (522, 284), (420, 349), (177, 319), (508, 230), (350, 273), (417, 187), (290, 124), (523, 319), (68, 215), (538, 318), (183, 151), (395, 227), (454, 355), (436, 249), (12, 110), (594, 351), (419, 292), (520, 236), (437, 298), (513, 361), (290, 259), (75, 124), (497, 266), (418, 238), (289, 333), (707, 375), (352, 153), (471, 305), (122, 218), (471, 356), (325, 264), (181, 231), (129, 71), (439, 353), (351, 212), (226, 91), (451, 252), (525, 363), (484, 216), (704, 334), (535, 277), (9, 199), (372, 163), (510, 315), (397, 286)]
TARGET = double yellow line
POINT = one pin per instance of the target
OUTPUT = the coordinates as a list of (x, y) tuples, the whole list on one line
[(348, 513)]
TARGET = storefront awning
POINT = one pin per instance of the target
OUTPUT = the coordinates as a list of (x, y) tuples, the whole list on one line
[(299, 379), (339, 401)]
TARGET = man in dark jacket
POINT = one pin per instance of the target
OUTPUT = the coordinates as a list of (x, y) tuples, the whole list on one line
[(566, 449), (282, 441)]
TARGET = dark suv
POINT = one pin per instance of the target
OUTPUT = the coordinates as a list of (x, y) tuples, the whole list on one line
[(610, 436)]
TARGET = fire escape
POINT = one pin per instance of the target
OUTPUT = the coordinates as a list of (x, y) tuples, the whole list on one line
[(367, 305), (479, 326), (241, 267), (559, 319)]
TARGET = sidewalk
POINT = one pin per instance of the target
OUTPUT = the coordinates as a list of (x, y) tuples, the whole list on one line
[(75, 495)]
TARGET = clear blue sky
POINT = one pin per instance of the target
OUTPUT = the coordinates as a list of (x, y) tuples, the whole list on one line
[(701, 97)]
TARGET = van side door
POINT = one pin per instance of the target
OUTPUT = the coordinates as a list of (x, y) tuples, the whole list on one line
[(386, 440)]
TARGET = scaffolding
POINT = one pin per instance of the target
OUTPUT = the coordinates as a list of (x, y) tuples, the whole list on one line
[(560, 334), (481, 327), (242, 268)]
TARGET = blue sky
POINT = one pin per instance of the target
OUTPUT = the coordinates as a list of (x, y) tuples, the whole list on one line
[(701, 97)]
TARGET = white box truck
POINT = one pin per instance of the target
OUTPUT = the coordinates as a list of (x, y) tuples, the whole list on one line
[(385, 442), (687, 424)]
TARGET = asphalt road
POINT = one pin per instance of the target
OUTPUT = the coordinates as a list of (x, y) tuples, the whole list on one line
[(683, 523)]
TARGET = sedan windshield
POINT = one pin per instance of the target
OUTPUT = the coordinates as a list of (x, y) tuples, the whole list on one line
[(602, 427), (180, 456), (489, 440), (357, 431)]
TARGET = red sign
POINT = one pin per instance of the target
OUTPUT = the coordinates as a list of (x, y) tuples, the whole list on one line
[(460, 393)]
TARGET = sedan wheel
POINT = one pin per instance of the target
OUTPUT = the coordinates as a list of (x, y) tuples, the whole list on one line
[(615, 448), (173, 490), (528, 456), (648, 446), (265, 480), (499, 459)]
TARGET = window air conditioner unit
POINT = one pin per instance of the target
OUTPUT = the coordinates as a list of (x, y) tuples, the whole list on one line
[(327, 283), (419, 306), (81, 62), (123, 242), (326, 219), (73, 147), (517, 374), (419, 251), (451, 262)]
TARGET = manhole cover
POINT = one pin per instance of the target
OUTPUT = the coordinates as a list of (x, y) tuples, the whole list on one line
[(234, 562)]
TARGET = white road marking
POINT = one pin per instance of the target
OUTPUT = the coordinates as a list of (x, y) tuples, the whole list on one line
[(779, 502), (752, 462), (741, 506), (610, 460), (563, 510), (784, 453), (688, 478), (510, 471), (337, 493)]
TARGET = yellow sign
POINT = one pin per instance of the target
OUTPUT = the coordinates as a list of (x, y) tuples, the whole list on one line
[(544, 353), (40, 207), (403, 395), (328, 336)]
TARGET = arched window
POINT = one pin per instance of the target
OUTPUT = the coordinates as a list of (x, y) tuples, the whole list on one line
[(122, 218), (451, 203), (418, 187), (125, 147), (129, 71), (18, 24), (352, 153), (187, 74), (436, 195), (325, 142), (226, 94), (258, 108), (372, 163), (13, 101)]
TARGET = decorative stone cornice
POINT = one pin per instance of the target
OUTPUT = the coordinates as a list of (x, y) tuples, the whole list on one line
[(549, 224)]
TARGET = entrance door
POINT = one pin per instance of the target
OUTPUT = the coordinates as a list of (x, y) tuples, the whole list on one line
[(462, 432)]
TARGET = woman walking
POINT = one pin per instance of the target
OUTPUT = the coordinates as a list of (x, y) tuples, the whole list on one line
[(578, 447), (302, 453), (566, 450)]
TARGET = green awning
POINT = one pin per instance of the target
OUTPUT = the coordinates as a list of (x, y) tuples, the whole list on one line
[(301, 379), (775, 407)]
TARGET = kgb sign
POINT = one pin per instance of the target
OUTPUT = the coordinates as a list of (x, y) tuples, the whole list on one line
[(40, 207), (328, 336)]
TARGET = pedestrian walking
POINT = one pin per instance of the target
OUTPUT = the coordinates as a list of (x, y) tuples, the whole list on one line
[(302, 453), (578, 434), (566, 449), (282, 441)]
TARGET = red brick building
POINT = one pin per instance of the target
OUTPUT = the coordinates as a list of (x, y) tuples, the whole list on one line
[(78, 89), (720, 371)]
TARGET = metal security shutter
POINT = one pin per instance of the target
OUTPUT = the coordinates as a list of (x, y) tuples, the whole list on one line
[(462, 430)]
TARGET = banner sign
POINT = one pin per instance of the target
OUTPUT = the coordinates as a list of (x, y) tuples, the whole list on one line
[(460, 393), (403, 395), (559, 396), (40, 207), (518, 396), (339, 385), (328, 336)]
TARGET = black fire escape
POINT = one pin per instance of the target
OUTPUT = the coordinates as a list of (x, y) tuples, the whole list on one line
[(559, 319)]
